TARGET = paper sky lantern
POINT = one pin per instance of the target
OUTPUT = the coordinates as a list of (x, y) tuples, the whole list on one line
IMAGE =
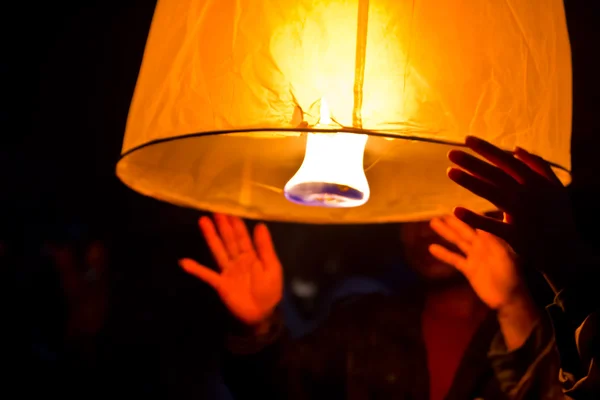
[(341, 111)]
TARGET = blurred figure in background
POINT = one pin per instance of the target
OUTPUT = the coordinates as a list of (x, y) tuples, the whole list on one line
[(340, 263), (83, 274), (58, 308)]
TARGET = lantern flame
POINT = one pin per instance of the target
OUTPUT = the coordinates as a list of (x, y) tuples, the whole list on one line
[(332, 173)]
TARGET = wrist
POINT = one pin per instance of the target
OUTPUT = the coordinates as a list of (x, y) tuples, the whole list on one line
[(246, 328), (262, 327), (517, 319), (519, 304)]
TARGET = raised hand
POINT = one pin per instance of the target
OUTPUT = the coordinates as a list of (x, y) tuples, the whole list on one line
[(488, 263), (251, 279), (538, 222)]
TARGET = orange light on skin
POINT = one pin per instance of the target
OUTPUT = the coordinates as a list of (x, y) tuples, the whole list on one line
[(332, 173)]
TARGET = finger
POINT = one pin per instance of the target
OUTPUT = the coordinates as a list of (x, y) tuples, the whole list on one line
[(495, 214), (538, 164), (446, 232), (264, 246), (201, 272), (487, 224), (492, 193), (241, 235), (446, 256), (481, 169), (462, 229), (215, 244), (491, 237), (227, 235), (506, 161)]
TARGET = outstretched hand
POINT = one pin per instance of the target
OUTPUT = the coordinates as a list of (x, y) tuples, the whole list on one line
[(538, 220), (490, 266), (488, 263), (251, 279)]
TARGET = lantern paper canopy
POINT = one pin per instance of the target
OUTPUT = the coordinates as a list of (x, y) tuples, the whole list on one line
[(341, 111)]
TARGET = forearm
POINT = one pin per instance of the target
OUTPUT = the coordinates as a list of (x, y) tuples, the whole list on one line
[(517, 320), (576, 322), (529, 370)]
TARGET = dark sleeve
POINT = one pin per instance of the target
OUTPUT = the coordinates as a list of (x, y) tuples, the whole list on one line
[(275, 366), (531, 371), (575, 319), (560, 358)]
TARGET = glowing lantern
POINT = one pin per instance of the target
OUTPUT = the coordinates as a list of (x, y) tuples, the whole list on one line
[(341, 111)]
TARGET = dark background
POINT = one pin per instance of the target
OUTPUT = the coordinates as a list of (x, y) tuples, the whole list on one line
[(68, 72)]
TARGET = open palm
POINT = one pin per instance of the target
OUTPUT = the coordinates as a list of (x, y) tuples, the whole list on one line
[(488, 262), (251, 279)]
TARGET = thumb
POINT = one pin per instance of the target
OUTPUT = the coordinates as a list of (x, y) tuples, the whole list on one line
[(201, 272)]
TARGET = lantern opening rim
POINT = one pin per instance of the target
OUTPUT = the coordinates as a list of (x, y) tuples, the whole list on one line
[(391, 134)]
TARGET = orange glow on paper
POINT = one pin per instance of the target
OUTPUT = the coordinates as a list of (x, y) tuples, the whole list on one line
[(225, 85)]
